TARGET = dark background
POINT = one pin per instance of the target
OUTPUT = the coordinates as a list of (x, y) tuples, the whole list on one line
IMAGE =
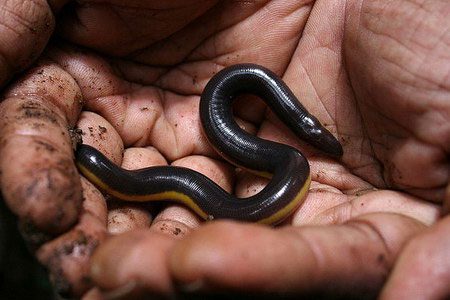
[(21, 277)]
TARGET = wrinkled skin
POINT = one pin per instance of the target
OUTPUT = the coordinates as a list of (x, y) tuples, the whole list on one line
[(377, 75)]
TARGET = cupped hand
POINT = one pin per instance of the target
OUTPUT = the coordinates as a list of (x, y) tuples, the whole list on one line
[(374, 73)]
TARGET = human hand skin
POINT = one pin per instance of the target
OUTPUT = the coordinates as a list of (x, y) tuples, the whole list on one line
[(370, 71)]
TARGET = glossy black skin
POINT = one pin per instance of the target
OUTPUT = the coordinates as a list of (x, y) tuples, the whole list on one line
[(242, 148), (212, 199), (289, 168)]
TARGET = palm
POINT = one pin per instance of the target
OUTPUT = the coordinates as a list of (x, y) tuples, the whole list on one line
[(149, 92), (153, 100)]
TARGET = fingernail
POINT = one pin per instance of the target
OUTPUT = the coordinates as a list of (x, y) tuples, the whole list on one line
[(121, 291)]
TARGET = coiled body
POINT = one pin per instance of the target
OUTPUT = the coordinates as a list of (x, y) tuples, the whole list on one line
[(287, 167)]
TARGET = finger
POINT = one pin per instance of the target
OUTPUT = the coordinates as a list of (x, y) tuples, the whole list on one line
[(125, 216), (137, 158), (352, 258), (410, 177), (26, 29), (67, 258), (142, 115), (319, 211), (89, 25), (423, 269), (96, 131), (39, 180), (178, 220), (134, 262)]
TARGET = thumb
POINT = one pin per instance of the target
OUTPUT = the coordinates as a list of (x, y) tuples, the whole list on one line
[(423, 268), (353, 258)]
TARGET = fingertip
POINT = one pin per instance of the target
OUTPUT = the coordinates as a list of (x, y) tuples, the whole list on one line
[(128, 216), (138, 157), (422, 269), (125, 217), (109, 258), (139, 256), (176, 221), (97, 132)]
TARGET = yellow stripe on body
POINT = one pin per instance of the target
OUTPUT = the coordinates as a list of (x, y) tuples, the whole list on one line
[(273, 219), (285, 211), (173, 195)]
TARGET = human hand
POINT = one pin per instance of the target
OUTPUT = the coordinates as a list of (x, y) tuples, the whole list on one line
[(356, 256), (374, 230), (39, 181)]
